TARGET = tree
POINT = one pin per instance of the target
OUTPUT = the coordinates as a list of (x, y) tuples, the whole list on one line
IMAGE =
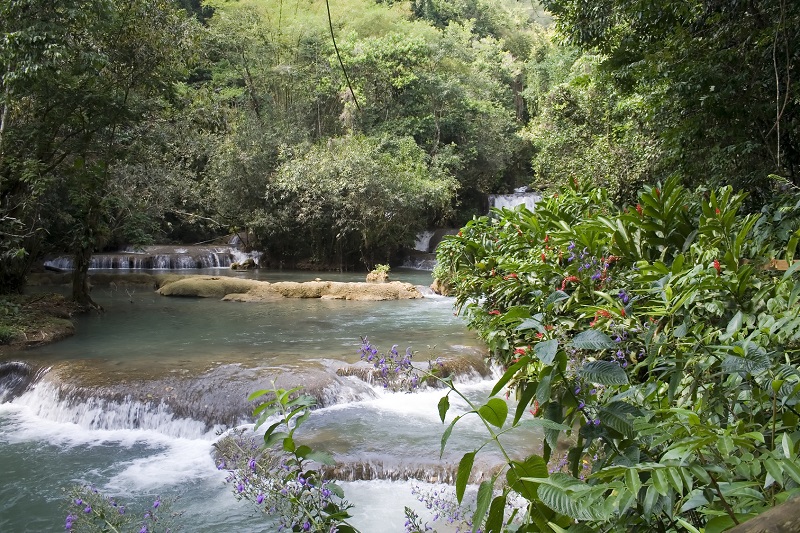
[(715, 76), (79, 79), (355, 198)]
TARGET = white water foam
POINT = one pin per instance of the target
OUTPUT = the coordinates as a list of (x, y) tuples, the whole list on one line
[(94, 414)]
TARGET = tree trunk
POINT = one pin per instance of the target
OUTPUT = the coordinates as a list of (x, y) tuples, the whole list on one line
[(784, 518), (80, 279)]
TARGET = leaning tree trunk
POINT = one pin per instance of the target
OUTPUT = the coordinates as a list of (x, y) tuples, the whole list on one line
[(80, 279)]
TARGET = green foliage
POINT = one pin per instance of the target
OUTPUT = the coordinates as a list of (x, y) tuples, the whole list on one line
[(88, 510), (688, 62), (653, 342), (368, 195), (282, 476)]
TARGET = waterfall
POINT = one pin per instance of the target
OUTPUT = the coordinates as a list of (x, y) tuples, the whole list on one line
[(162, 258), (67, 405), (519, 197)]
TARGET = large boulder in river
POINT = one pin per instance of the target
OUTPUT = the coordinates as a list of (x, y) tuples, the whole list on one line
[(243, 290)]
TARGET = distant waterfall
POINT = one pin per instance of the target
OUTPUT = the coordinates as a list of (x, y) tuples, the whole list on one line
[(161, 258), (509, 201)]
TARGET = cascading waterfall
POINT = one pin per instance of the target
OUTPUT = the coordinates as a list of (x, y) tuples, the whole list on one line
[(162, 258), (518, 197)]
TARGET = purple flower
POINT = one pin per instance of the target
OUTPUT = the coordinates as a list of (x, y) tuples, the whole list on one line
[(596, 422), (240, 487), (88, 509), (260, 499), (306, 525), (78, 502), (143, 530), (156, 503), (252, 464), (68, 524)]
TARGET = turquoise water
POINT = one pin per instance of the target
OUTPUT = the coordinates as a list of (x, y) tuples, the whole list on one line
[(136, 449)]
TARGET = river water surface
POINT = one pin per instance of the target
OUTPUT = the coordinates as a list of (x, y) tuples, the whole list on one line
[(133, 403)]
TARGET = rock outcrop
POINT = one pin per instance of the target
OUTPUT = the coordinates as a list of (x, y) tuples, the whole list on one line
[(244, 290)]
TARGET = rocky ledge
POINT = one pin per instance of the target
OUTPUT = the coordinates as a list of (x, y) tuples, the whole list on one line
[(244, 290)]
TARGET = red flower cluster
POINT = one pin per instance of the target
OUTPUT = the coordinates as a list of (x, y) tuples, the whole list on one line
[(717, 267), (494, 312), (567, 279)]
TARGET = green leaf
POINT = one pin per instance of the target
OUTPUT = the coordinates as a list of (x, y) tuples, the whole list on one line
[(446, 434), (506, 377), (482, 505), (659, 477), (444, 406), (555, 296), (533, 467), (619, 417), (494, 412), (463, 473), (592, 339), (494, 522), (546, 351), (562, 493), (632, 481), (787, 446), (790, 467), (543, 389), (774, 469), (321, 457), (535, 322), (274, 438), (734, 325), (604, 373), (525, 398)]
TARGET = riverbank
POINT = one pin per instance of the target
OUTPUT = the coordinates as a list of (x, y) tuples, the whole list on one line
[(28, 320)]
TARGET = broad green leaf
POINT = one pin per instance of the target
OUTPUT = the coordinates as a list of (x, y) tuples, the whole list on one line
[(632, 481), (604, 373), (463, 473), (543, 389), (592, 339), (775, 471), (494, 412), (533, 467), (791, 467), (444, 406), (321, 457), (289, 444), (659, 477), (274, 438), (555, 296), (619, 416), (506, 377), (494, 522), (482, 505), (650, 500), (546, 351), (675, 479)]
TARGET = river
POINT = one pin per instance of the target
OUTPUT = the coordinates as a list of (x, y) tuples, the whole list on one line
[(133, 403)]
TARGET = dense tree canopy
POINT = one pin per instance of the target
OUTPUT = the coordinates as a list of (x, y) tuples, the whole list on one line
[(715, 78), (114, 132)]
